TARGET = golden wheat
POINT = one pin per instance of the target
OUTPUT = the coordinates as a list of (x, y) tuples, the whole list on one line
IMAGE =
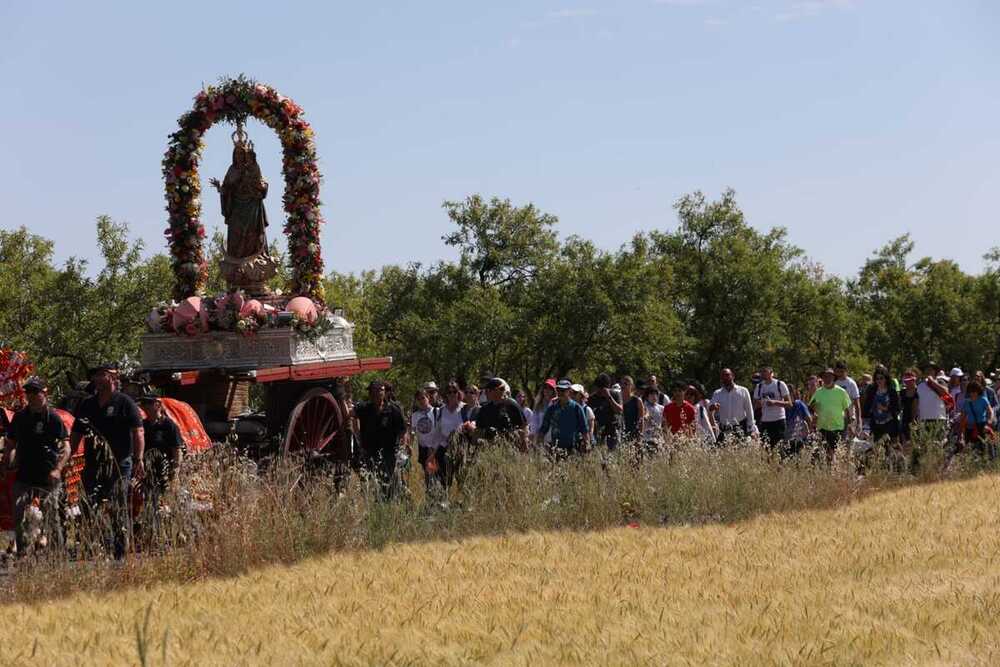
[(906, 577)]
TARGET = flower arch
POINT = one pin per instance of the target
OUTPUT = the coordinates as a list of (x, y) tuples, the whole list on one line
[(232, 101)]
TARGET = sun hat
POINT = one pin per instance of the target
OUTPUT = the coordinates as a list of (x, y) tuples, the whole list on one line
[(564, 384), (956, 372)]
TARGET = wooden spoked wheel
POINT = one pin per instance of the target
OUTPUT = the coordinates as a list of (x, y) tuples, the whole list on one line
[(313, 423)]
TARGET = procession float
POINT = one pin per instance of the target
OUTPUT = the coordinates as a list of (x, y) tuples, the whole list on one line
[(286, 347)]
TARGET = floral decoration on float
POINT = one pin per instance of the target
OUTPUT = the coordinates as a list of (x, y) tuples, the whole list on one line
[(233, 100), (235, 312)]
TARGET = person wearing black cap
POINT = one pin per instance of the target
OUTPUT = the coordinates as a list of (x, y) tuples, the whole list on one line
[(37, 445), (381, 426), (107, 473), (502, 415), (163, 443)]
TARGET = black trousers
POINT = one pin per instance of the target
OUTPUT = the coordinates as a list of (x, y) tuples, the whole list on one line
[(773, 432)]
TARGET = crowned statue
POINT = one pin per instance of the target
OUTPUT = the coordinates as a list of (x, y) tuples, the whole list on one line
[(247, 263)]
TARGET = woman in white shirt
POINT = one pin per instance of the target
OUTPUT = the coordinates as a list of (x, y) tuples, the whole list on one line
[(449, 421), (652, 423)]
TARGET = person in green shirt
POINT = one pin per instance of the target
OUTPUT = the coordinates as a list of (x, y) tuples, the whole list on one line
[(831, 407)]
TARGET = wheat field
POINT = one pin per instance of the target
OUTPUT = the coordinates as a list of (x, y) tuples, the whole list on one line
[(908, 577)]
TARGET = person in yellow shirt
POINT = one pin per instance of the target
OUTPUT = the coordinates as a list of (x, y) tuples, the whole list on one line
[(831, 406)]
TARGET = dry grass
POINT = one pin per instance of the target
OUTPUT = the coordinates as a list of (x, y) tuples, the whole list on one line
[(905, 577)]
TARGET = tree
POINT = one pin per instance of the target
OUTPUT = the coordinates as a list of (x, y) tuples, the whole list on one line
[(729, 284), (501, 244)]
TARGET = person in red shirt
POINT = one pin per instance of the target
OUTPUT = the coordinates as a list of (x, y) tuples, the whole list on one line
[(679, 414)]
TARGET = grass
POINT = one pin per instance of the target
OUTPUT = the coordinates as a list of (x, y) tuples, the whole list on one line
[(903, 577)]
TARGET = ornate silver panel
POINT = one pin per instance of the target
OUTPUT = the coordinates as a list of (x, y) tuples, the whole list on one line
[(265, 349)]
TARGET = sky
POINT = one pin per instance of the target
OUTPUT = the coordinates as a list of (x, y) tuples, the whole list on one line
[(848, 122)]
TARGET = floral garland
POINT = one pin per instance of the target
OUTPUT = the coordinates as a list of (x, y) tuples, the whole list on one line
[(232, 101), (14, 370)]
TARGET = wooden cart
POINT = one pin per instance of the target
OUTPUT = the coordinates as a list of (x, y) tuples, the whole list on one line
[(304, 405)]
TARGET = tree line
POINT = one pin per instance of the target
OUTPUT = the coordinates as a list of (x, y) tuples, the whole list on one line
[(523, 303)]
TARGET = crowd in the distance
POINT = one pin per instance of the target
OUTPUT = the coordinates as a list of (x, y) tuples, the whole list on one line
[(565, 418)]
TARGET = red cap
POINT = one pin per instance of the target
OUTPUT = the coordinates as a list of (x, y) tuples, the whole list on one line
[(909, 376), (551, 382)]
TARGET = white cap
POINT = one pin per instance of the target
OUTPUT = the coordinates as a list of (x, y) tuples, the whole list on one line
[(578, 388), (956, 372), (430, 385)]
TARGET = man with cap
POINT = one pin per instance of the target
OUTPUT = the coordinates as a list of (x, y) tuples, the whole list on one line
[(433, 396), (607, 409), (37, 445), (933, 400), (380, 426), (502, 416), (164, 444), (832, 408), (108, 471), (566, 422), (847, 383)]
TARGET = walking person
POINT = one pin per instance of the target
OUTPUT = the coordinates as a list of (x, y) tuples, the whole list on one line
[(381, 427), (501, 416), (652, 428), (976, 421), (934, 402), (880, 407), (564, 423), (847, 383), (679, 414), (110, 463), (450, 425), (163, 443), (798, 425), (773, 398), (632, 410), (607, 411), (832, 407), (424, 425), (38, 448), (909, 399), (733, 408), (546, 396), (703, 419)]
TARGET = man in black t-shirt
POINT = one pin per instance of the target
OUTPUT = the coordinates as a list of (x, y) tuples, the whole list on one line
[(380, 427), (502, 416), (37, 446), (163, 443), (607, 412), (107, 471)]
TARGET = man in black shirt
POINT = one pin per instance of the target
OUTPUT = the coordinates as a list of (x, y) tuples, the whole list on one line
[(607, 413), (380, 427), (163, 443), (107, 471), (502, 416), (37, 445)]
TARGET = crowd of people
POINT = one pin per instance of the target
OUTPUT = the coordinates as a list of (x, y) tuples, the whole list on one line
[(447, 426), (829, 408)]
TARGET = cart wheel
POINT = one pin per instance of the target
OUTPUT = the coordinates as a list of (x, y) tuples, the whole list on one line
[(313, 423)]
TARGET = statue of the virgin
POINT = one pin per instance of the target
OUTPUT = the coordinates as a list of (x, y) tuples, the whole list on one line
[(247, 263)]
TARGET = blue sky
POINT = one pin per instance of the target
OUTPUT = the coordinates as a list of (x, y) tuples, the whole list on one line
[(847, 121)]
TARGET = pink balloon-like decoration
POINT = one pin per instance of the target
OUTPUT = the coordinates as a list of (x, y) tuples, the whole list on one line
[(304, 308)]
